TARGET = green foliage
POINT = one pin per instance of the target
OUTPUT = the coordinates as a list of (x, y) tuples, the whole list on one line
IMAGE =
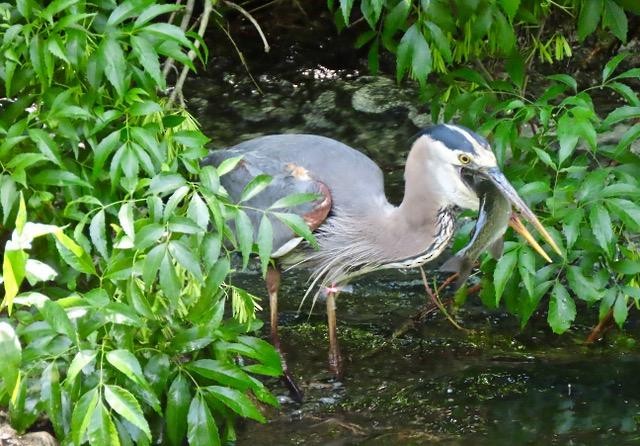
[(586, 190), (119, 243), (432, 36)]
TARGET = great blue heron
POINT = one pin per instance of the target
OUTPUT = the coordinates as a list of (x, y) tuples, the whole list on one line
[(356, 227)]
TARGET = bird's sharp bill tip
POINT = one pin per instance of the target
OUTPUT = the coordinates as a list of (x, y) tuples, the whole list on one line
[(517, 226)]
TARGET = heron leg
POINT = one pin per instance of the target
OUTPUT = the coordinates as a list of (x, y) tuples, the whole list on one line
[(335, 358), (273, 285)]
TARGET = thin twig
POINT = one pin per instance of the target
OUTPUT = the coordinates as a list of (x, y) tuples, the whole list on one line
[(253, 21), (204, 22), (605, 324), (184, 24), (241, 56), (436, 300), (172, 17)]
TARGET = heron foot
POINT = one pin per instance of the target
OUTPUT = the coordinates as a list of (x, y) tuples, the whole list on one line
[(295, 392)]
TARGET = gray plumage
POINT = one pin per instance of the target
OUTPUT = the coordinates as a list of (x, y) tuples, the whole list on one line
[(364, 231)]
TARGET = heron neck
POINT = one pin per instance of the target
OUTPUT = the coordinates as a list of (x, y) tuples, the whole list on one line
[(424, 195)]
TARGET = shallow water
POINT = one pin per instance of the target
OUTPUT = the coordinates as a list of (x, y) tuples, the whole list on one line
[(494, 384)]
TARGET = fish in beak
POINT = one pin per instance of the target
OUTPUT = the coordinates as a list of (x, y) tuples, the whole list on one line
[(500, 181)]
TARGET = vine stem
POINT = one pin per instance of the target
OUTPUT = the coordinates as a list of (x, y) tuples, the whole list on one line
[(204, 22), (253, 21)]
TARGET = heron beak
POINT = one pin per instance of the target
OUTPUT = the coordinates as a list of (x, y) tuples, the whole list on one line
[(497, 177), (517, 226)]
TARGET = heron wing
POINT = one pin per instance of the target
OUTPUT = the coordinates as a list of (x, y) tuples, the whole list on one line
[(286, 179)]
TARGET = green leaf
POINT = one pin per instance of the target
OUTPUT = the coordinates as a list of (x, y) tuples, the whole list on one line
[(627, 93), (46, 145), (125, 217), (562, 309), (145, 108), (103, 150), (371, 10), (13, 271), (589, 17), (82, 415), (163, 183), (185, 258), (413, 48), (98, 233), (127, 364), (201, 427), (620, 309), (395, 19), (121, 13), (255, 186), (510, 7), (626, 210), (622, 113), (504, 32), (298, 226), (615, 19), (115, 67), (265, 242), (198, 211), (191, 138), (168, 31), (184, 225), (154, 11), (126, 405), (345, 8), (178, 398), (244, 232), (228, 165), (73, 254), (80, 361), (209, 179), (149, 235), (503, 271), (566, 136), (294, 200), (51, 395), (236, 401), (11, 354), (527, 269), (169, 281), (441, 41), (151, 263), (175, 200), (571, 226), (610, 66), (8, 196), (565, 79), (584, 288), (545, 158), (101, 429), (226, 374), (627, 266), (57, 318), (59, 178), (601, 227)]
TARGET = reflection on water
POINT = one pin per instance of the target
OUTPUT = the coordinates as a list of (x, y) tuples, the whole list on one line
[(496, 385)]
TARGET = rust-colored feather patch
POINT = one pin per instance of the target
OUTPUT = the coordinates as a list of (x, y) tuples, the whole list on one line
[(319, 213)]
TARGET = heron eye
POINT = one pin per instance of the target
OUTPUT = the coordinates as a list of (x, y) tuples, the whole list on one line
[(464, 159)]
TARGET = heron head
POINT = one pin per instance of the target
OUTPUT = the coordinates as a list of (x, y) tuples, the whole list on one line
[(456, 152)]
